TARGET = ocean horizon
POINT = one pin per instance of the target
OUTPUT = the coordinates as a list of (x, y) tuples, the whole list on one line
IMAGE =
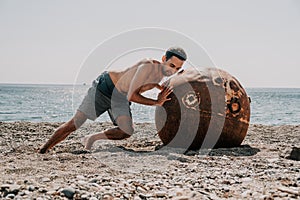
[(58, 102)]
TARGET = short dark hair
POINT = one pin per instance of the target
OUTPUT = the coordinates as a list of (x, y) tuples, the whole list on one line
[(177, 52)]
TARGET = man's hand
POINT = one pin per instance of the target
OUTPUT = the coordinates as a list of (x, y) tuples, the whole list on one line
[(43, 150), (163, 95)]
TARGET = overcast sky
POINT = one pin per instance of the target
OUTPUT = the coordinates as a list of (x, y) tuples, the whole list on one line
[(257, 41)]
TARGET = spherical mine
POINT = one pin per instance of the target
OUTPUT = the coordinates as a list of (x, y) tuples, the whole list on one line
[(208, 109)]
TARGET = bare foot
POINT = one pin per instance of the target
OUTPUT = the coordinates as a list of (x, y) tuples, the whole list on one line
[(88, 142)]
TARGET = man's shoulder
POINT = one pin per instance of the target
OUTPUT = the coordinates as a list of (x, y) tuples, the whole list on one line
[(149, 61)]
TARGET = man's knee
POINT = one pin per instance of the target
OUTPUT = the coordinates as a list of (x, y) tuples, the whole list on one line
[(125, 135), (125, 124), (127, 131)]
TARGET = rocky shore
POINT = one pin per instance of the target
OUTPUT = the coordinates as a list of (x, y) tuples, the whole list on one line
[(136, 168)]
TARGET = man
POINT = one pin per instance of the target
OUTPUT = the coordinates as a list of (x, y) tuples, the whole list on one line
[(114, 90)]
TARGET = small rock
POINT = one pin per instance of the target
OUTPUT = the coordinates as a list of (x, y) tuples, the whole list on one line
[(56, 187), (68, 192), (80, 177), (246, 180), (136, 198), (14, 189), (52, 192), (213, 196), (126, 196), (245, 194), (264, 197), (46, 179), (289, 190), (22, 193), (94, 180), (10, 181), (98, 186), (145, 196), (113, 184), (31, 188), (5, 186), (84, 196), (226, 189), (182, 198), (108, 197), (81, 182), (19, 182), (295, 154), (282, 194), (10, 196), (140, 189), (43, 190), (160, 194)]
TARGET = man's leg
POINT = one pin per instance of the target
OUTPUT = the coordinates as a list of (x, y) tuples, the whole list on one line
[(124, 130), (64, 130)]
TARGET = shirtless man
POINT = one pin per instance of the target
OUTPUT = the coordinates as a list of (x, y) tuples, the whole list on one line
[(114, 90)]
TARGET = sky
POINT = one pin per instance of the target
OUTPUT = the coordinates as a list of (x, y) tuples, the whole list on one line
[(47, 42)]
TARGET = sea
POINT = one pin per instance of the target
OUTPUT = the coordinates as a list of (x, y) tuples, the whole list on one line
[(58, 103)]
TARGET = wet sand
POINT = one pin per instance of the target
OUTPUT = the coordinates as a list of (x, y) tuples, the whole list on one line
[(134, 169)]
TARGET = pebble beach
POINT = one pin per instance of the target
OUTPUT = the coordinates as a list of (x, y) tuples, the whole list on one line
[(138, 168)]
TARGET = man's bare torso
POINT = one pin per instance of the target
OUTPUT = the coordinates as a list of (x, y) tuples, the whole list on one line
[(148, 70)]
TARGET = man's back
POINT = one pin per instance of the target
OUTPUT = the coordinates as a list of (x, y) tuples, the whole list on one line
[(147, 72)]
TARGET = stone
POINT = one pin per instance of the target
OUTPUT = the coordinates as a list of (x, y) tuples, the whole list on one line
[(22, 193), (113, 184), (94, 180), (52, 192), (289, 190), (245, 194), (46, 179), (145, 196), (31, 188), (5, 186), (80, 177), (182, 198), (14, 189), (295, 154), (10, 196), (246, 180), (43, 190), (98, 186), (108, 197), (140, 189), (160, 194), (68, 192), (226, 189), (81, 182), (84, 196)]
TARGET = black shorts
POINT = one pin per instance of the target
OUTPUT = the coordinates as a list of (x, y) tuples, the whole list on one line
[(103, 96)]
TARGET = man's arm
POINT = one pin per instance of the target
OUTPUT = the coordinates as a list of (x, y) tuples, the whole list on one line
[(140, 83), (150, 86)]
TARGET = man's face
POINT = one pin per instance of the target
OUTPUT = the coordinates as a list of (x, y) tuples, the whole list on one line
[(171, 66)]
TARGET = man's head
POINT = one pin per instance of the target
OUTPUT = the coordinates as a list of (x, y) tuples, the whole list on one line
[(173, 60)]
